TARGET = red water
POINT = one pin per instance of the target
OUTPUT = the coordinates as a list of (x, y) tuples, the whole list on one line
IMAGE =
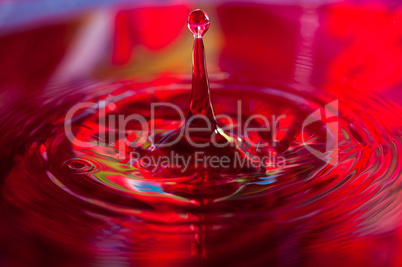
[(99, 205), (200, 132)]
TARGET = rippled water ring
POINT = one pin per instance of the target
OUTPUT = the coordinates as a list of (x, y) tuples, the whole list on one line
[(345, 198)]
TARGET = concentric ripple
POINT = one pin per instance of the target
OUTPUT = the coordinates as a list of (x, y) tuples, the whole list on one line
[(313, 198)]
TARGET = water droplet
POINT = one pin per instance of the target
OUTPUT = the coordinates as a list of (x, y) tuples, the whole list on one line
[(112, 106), (198, 23)]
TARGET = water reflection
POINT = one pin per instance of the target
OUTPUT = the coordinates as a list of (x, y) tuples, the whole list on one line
[(346, 49)]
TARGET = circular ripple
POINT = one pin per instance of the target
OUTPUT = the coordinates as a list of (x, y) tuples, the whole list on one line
[(355, 195), (78, 165)]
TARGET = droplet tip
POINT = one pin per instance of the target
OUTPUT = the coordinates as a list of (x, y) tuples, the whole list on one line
[(198, 22)]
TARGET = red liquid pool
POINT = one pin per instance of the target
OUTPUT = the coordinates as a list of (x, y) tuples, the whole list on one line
[(327, 191)]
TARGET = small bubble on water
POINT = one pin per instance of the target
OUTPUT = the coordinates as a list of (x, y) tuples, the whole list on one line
[(78, 165)]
